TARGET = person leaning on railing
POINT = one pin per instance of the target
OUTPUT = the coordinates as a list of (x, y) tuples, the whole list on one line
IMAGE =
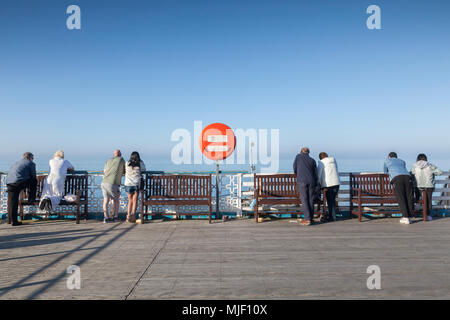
[(133, 173), (53, 190), (424, 173), (328, 176), (305, 170), (22, 175), (112, 177), (403, 185)]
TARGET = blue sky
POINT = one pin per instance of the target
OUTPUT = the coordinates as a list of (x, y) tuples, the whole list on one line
[(137, 70)]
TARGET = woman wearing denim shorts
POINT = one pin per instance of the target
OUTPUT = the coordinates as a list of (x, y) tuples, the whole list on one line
[(133, 172)]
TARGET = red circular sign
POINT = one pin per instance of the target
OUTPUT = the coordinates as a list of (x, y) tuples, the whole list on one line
[(217, 141)]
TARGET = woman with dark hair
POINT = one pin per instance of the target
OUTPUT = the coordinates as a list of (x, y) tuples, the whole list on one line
[(424, 173), (328, 175), (133, 172)]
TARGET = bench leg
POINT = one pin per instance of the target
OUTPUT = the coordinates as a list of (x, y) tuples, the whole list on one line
[(359, 210), (78, 214), (351, 209), (256, 210), (210, 211)]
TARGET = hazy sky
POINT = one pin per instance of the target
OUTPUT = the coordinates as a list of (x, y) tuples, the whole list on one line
[(137, 70)]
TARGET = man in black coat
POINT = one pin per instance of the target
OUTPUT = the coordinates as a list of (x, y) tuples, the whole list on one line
[(305, 169), (22, 175)]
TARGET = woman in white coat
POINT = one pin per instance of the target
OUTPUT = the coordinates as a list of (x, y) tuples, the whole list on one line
[(328, 175), (53, 190)]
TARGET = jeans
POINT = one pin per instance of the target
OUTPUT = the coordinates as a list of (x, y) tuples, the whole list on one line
[(307, 191), (331, 195)]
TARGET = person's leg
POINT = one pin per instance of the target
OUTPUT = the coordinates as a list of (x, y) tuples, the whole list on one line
[(312, 196), (409, 192), (130, 205), (13, 201), (331, 202), (400, 194), (116, 208), (304, 197), (135, 203), (429, 192), (31, 184), (105, 208)]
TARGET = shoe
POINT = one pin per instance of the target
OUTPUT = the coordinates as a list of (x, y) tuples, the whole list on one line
[(405, 220), (16, 223), (429, 218), (305, 222), (107, 220), (42, 205)]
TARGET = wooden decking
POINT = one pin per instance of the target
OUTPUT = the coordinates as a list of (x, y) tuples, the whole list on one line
[(235, 259)]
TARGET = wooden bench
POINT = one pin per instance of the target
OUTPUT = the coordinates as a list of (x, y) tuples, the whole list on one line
[(176, 190), (276, 189), (374, 190), (76, 183)]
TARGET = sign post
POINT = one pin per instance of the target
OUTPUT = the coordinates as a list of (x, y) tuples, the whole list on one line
[(217, 142)]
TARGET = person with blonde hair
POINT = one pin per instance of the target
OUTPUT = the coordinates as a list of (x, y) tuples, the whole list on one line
[(53, 190)]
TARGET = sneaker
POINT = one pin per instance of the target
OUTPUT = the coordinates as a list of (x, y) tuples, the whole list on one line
[(429, 218), (107, 220), (405, 220)]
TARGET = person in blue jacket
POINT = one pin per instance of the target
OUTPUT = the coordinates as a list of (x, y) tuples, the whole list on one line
[(403, 185)]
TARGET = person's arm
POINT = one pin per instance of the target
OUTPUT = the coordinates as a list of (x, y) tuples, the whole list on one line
[(33, 170), (70, 167), (436, 170), (295, 166), (320, 173), (315, 172), (385, 168)]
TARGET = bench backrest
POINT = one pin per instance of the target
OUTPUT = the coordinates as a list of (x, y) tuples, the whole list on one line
[(73, 183), (180, 186), (276, 186), (377, 185)]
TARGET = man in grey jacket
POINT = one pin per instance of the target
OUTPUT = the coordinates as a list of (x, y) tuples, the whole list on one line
[(424, 173), (22, 175), (305, 170)]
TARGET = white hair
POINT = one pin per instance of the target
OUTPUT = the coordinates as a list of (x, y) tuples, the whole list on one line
[(59, 154)]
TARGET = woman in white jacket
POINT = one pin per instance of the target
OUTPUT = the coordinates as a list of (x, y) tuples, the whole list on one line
[(53, 190), (424, 173), (328, 176)]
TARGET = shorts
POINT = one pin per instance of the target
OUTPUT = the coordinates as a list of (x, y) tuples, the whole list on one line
[(131, 189), (110, 191)]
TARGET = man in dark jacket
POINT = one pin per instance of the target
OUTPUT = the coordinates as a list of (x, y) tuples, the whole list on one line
[(21, 175), (305, 169)]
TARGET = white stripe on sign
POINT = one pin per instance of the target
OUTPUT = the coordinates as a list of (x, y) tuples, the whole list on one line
[(217, 148), (217, 138)]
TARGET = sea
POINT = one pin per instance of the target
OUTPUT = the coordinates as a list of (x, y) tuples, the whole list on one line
[(284, 165)]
